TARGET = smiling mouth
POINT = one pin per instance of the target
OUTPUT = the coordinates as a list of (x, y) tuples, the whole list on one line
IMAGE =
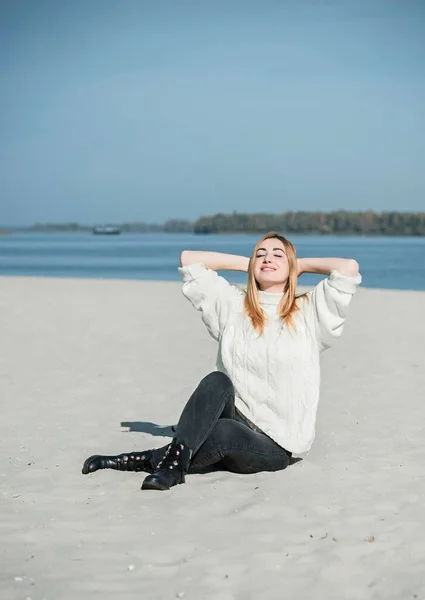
[(268, 269)]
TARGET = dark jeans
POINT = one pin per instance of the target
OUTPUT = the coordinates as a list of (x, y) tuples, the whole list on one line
[(219, 435)]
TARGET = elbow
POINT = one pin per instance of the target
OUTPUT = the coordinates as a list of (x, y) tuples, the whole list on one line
[(183, 258), (351, 267)]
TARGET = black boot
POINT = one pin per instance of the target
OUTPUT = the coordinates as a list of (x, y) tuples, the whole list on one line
[(134, 461), (172, 468)]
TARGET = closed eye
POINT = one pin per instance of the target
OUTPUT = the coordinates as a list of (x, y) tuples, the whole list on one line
[(263, 255)]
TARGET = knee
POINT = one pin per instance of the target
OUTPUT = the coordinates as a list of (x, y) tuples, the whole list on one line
[(218, 379)]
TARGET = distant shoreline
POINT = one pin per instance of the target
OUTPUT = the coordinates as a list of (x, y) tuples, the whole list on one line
[(12, 231), (341, 223)]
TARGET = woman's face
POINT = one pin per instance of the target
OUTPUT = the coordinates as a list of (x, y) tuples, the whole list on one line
[(271, 268)]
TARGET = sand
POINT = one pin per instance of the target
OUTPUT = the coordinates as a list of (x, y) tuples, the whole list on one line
[(106, 366)]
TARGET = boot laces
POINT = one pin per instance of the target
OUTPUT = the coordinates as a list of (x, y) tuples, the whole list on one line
[(124, 458), (171, 457)]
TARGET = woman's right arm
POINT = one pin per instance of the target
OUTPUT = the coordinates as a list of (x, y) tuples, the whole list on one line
[(217, 261), (206, 290)]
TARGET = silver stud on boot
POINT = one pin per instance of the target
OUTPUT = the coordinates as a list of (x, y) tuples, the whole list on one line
[(171, 469)]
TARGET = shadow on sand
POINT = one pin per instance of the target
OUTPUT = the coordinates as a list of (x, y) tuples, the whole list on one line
[(148, 427)]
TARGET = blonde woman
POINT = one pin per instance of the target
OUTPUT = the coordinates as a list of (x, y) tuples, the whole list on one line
[(260, 404)]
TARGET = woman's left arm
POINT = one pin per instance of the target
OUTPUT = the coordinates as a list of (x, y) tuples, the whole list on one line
[(324, 266), (330, 299)]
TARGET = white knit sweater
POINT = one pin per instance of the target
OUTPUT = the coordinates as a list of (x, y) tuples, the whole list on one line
[(276, 376)]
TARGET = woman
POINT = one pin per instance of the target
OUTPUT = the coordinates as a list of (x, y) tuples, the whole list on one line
[(260, 405)]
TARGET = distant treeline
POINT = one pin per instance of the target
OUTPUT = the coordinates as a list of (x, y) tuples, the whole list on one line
[(323, 223), (338, 223)]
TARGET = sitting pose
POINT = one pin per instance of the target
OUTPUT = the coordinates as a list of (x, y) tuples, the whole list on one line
[(260, 404)]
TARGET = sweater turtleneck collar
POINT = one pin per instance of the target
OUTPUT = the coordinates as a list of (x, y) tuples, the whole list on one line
[(269, 298)]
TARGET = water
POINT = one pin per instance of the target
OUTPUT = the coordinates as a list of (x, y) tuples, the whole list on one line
[(385, 262)]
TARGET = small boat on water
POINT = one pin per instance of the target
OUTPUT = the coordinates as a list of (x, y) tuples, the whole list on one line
[(108, 230)]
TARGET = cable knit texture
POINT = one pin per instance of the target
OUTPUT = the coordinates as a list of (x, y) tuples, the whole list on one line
[(276, 376)]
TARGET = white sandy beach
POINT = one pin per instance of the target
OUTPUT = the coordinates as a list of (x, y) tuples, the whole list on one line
[(106, 366)]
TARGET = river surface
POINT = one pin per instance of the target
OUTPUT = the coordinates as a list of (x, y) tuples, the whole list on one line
[(386, 262)]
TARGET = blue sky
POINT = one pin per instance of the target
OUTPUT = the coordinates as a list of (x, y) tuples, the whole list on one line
[(146, 110)]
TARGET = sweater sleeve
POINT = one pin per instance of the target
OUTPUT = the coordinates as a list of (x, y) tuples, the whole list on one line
[(211, 294), (329, 306)]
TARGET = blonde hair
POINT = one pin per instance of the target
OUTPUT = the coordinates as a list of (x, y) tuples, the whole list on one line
[(288, 306)]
